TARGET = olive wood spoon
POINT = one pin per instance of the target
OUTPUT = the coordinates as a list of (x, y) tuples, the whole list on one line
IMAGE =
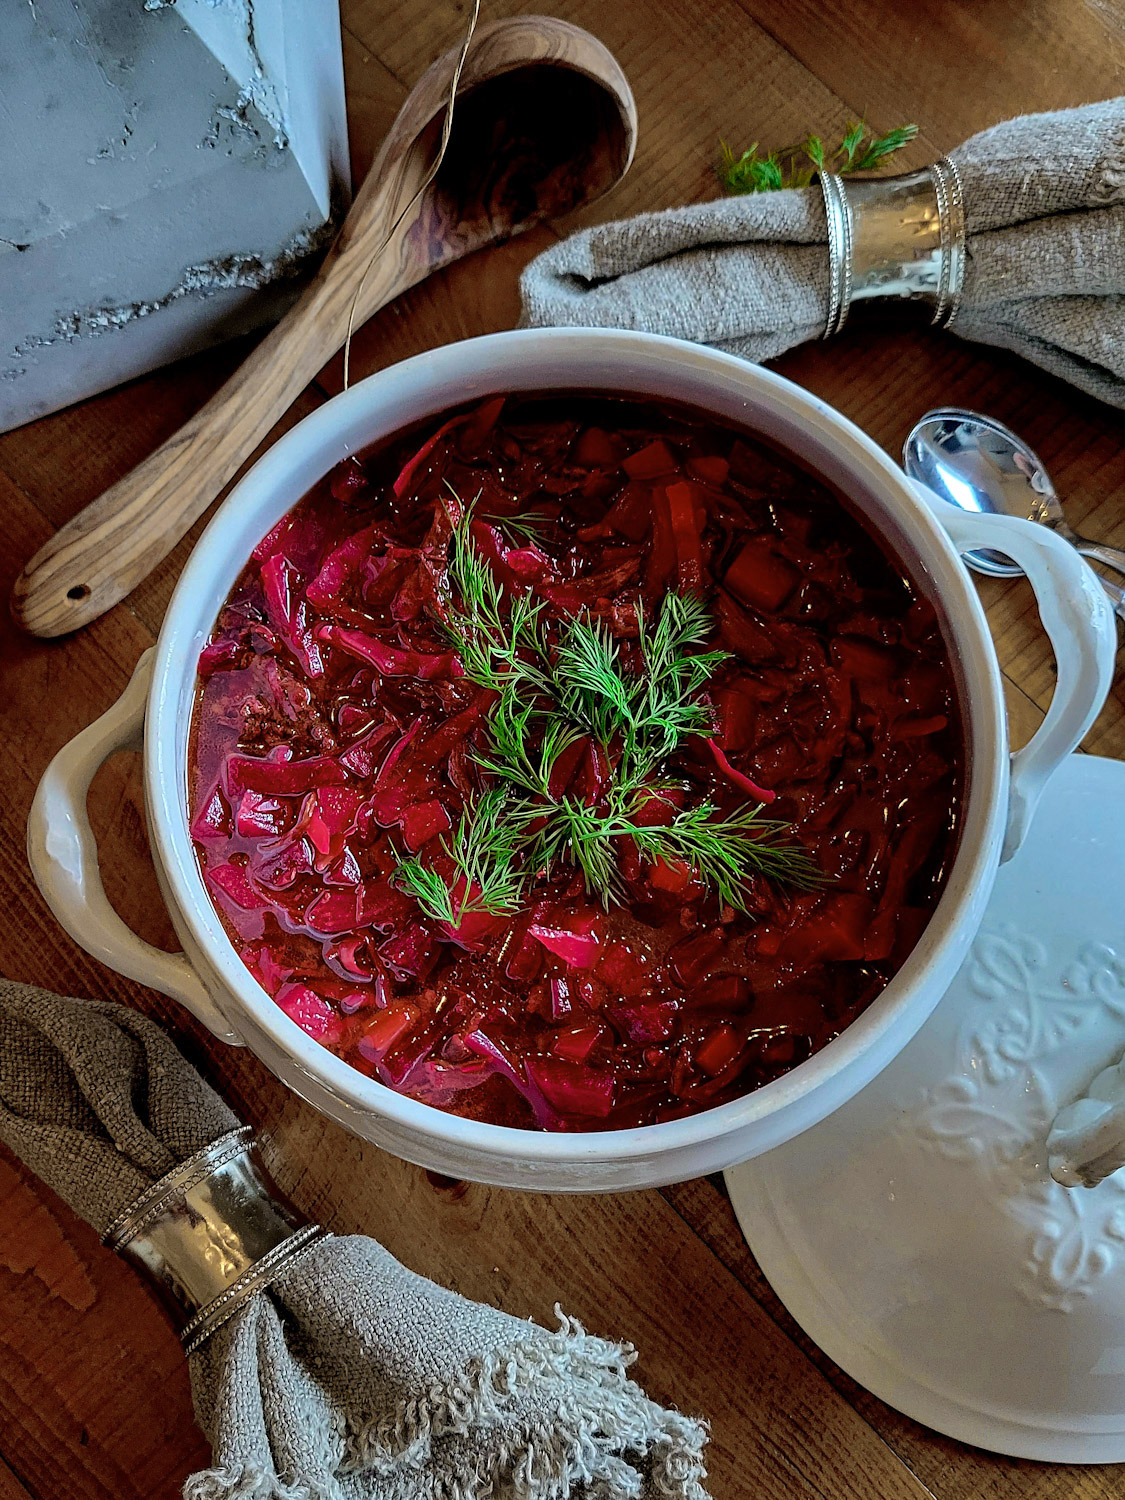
[(544, 122)]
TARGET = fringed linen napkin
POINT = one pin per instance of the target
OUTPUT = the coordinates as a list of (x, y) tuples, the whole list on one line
[(1045, 273), (349, 1377)]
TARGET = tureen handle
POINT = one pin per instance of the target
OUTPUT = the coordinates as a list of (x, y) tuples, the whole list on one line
[(1087, 1141), (1079, 621), (63, 854)]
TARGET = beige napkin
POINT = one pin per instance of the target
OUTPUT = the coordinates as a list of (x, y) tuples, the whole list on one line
[(1045, 270), (350, 1378)]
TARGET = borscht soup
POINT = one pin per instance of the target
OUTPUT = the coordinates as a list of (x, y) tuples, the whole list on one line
[(574, 763)]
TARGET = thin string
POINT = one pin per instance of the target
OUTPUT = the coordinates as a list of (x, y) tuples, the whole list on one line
[(446, 129)]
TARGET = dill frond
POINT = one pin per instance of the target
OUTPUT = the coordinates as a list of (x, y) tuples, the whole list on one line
[(859, 150)]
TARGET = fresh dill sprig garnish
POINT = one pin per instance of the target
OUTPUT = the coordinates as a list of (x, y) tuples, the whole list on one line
[(486, 877), (514, 756), (528, 527), (552, 694), (588, 681), (495, 647), (649, 712), (576, 834), (665, 710), (860, 150), (726, 853)]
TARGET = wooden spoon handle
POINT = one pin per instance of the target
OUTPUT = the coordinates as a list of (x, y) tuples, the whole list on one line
[(111, 546)]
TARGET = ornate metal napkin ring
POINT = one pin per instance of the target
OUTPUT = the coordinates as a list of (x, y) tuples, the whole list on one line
[(896, 237), (211, 1233)]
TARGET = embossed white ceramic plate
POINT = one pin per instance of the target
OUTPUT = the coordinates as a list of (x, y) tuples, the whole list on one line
[(916, 1235)]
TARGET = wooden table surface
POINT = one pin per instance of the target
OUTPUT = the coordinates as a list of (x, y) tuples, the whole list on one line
[(94, 1399)]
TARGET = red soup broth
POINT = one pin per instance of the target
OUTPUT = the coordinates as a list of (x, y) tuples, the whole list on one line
[(335, 734)]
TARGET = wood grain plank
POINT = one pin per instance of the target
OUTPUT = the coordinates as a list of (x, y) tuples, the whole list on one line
[(11, 1488), (94, 1398), (958, 66)]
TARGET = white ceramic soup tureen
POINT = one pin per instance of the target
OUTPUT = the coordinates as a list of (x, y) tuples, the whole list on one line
[(154, 714)]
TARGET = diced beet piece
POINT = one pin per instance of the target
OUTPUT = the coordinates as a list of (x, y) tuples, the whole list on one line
[(277, 864), (524, 964), (656, 808), (662, 564), (595, 449), (386, 1028), (332, 913), (562, 1000), (644, 1022), (212, 820), (329, 815), (865, 659), (572, 1088), (761, 578), (578, 949), (655, 461), (670, 875), (631, 513), (234, 883), (625, 968), (311, 1013), (411, 952), (720, 1046), (575, 1043), (687, 514), (278, 778), (737, 719), (711, 470), (382, 905), (348, 481), (422, 821), (260, 817), (475, 928), (693, 957), (725, 995)]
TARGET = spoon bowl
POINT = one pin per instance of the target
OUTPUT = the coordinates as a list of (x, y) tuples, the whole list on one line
[(978, 464)]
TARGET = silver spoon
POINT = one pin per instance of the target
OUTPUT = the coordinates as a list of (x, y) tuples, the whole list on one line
[(978, 464)]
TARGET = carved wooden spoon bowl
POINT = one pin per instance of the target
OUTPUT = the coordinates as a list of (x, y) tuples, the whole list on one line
[(544, 122)]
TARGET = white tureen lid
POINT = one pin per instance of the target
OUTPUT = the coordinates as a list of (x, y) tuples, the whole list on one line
[(916, 1234)]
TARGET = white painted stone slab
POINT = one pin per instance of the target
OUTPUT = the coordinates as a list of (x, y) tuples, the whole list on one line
[(166, 175)]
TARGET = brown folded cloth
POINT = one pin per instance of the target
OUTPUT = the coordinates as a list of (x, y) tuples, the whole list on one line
[(1045, 258), (348, 1378)]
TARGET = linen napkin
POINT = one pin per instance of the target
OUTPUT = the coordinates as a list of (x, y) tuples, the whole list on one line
[(349, 1378), (1044, 275)]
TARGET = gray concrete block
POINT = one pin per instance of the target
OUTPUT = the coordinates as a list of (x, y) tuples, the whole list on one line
[(167, 174)]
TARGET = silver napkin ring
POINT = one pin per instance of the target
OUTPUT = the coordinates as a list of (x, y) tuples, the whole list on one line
[(896, 237), (211, 1233)]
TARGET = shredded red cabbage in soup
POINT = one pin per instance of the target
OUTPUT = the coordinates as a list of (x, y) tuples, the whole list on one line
[(336, 736)]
